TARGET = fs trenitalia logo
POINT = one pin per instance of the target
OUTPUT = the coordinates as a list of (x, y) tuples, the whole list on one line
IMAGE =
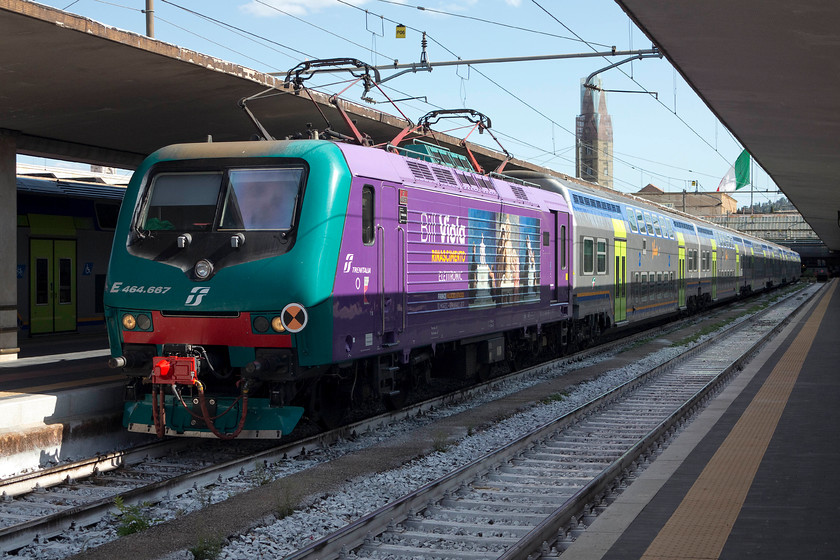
[(196, 296)]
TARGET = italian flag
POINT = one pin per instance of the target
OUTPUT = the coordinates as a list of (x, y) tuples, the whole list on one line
[(738, 175)]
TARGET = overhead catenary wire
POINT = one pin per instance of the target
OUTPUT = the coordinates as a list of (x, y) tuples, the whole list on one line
[(257, 38), (238, 30), (659, 101), (531, 107), (481, 20), (253, 36), (692, 129)]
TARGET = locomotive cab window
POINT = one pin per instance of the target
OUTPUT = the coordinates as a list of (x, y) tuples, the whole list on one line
[(256, 199), (183, 201), (368, 231), (261, 199)]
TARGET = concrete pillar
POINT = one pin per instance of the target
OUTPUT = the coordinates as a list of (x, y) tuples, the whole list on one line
[(8, 247)]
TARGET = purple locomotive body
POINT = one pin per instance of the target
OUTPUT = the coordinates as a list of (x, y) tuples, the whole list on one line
[(434, 255)]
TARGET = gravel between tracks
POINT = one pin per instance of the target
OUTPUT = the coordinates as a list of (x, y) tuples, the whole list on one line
[(329, 489)]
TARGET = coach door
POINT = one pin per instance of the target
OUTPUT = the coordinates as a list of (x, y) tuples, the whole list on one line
[(620, 280), (561, 257), (714, 271), (392, 261), (681, 279), (52, 285)]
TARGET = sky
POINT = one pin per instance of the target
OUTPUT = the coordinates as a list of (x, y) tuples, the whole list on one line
[(662, 133)]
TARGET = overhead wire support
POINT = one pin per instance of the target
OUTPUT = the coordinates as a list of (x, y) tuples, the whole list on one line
[(426, 66), (641, 55)]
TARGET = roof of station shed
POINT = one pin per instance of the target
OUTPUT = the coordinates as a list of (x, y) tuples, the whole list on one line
[(769, 70), (79, 90)]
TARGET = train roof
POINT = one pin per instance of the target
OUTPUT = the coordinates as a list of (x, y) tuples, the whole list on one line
[(681, 219), (595, 198), (69, 189), (425, 169)]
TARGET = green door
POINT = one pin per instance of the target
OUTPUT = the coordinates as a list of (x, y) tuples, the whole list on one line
[(620, 280), (52, 285), (714, 275), (681, 279)]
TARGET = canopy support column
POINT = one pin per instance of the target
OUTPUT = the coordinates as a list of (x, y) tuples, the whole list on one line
[(8, 247)]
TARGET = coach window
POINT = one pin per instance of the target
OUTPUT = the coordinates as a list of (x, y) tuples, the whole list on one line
[(368, 230), (656, 225), (588, 255), (563, 247), (602, 256), (631, 219), (644, 287), (640, 219), (648, 223)]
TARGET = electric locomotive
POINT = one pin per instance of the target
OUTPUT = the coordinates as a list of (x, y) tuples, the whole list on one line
[(251, 283)]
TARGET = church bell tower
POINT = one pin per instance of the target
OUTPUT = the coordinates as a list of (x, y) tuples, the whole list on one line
[(594, 137)]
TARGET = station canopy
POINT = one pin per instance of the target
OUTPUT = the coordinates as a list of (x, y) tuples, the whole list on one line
[(769, 70), (75, 89)]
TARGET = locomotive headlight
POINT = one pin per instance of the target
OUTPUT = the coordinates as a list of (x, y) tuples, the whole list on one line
[(144, 322), (277, 324), (203, 269), (261, 324), (129, 322)]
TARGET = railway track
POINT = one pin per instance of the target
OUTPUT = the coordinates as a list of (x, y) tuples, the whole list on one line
[(45, 504), (533, 496)]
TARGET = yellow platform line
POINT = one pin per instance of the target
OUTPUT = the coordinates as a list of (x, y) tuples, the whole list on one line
[(700, 526)]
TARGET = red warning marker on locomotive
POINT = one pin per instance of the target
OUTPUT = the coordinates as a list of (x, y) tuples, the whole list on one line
[(294, 317)]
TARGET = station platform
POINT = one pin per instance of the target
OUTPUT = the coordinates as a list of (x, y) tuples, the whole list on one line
[(57, 401), (755, 474)]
